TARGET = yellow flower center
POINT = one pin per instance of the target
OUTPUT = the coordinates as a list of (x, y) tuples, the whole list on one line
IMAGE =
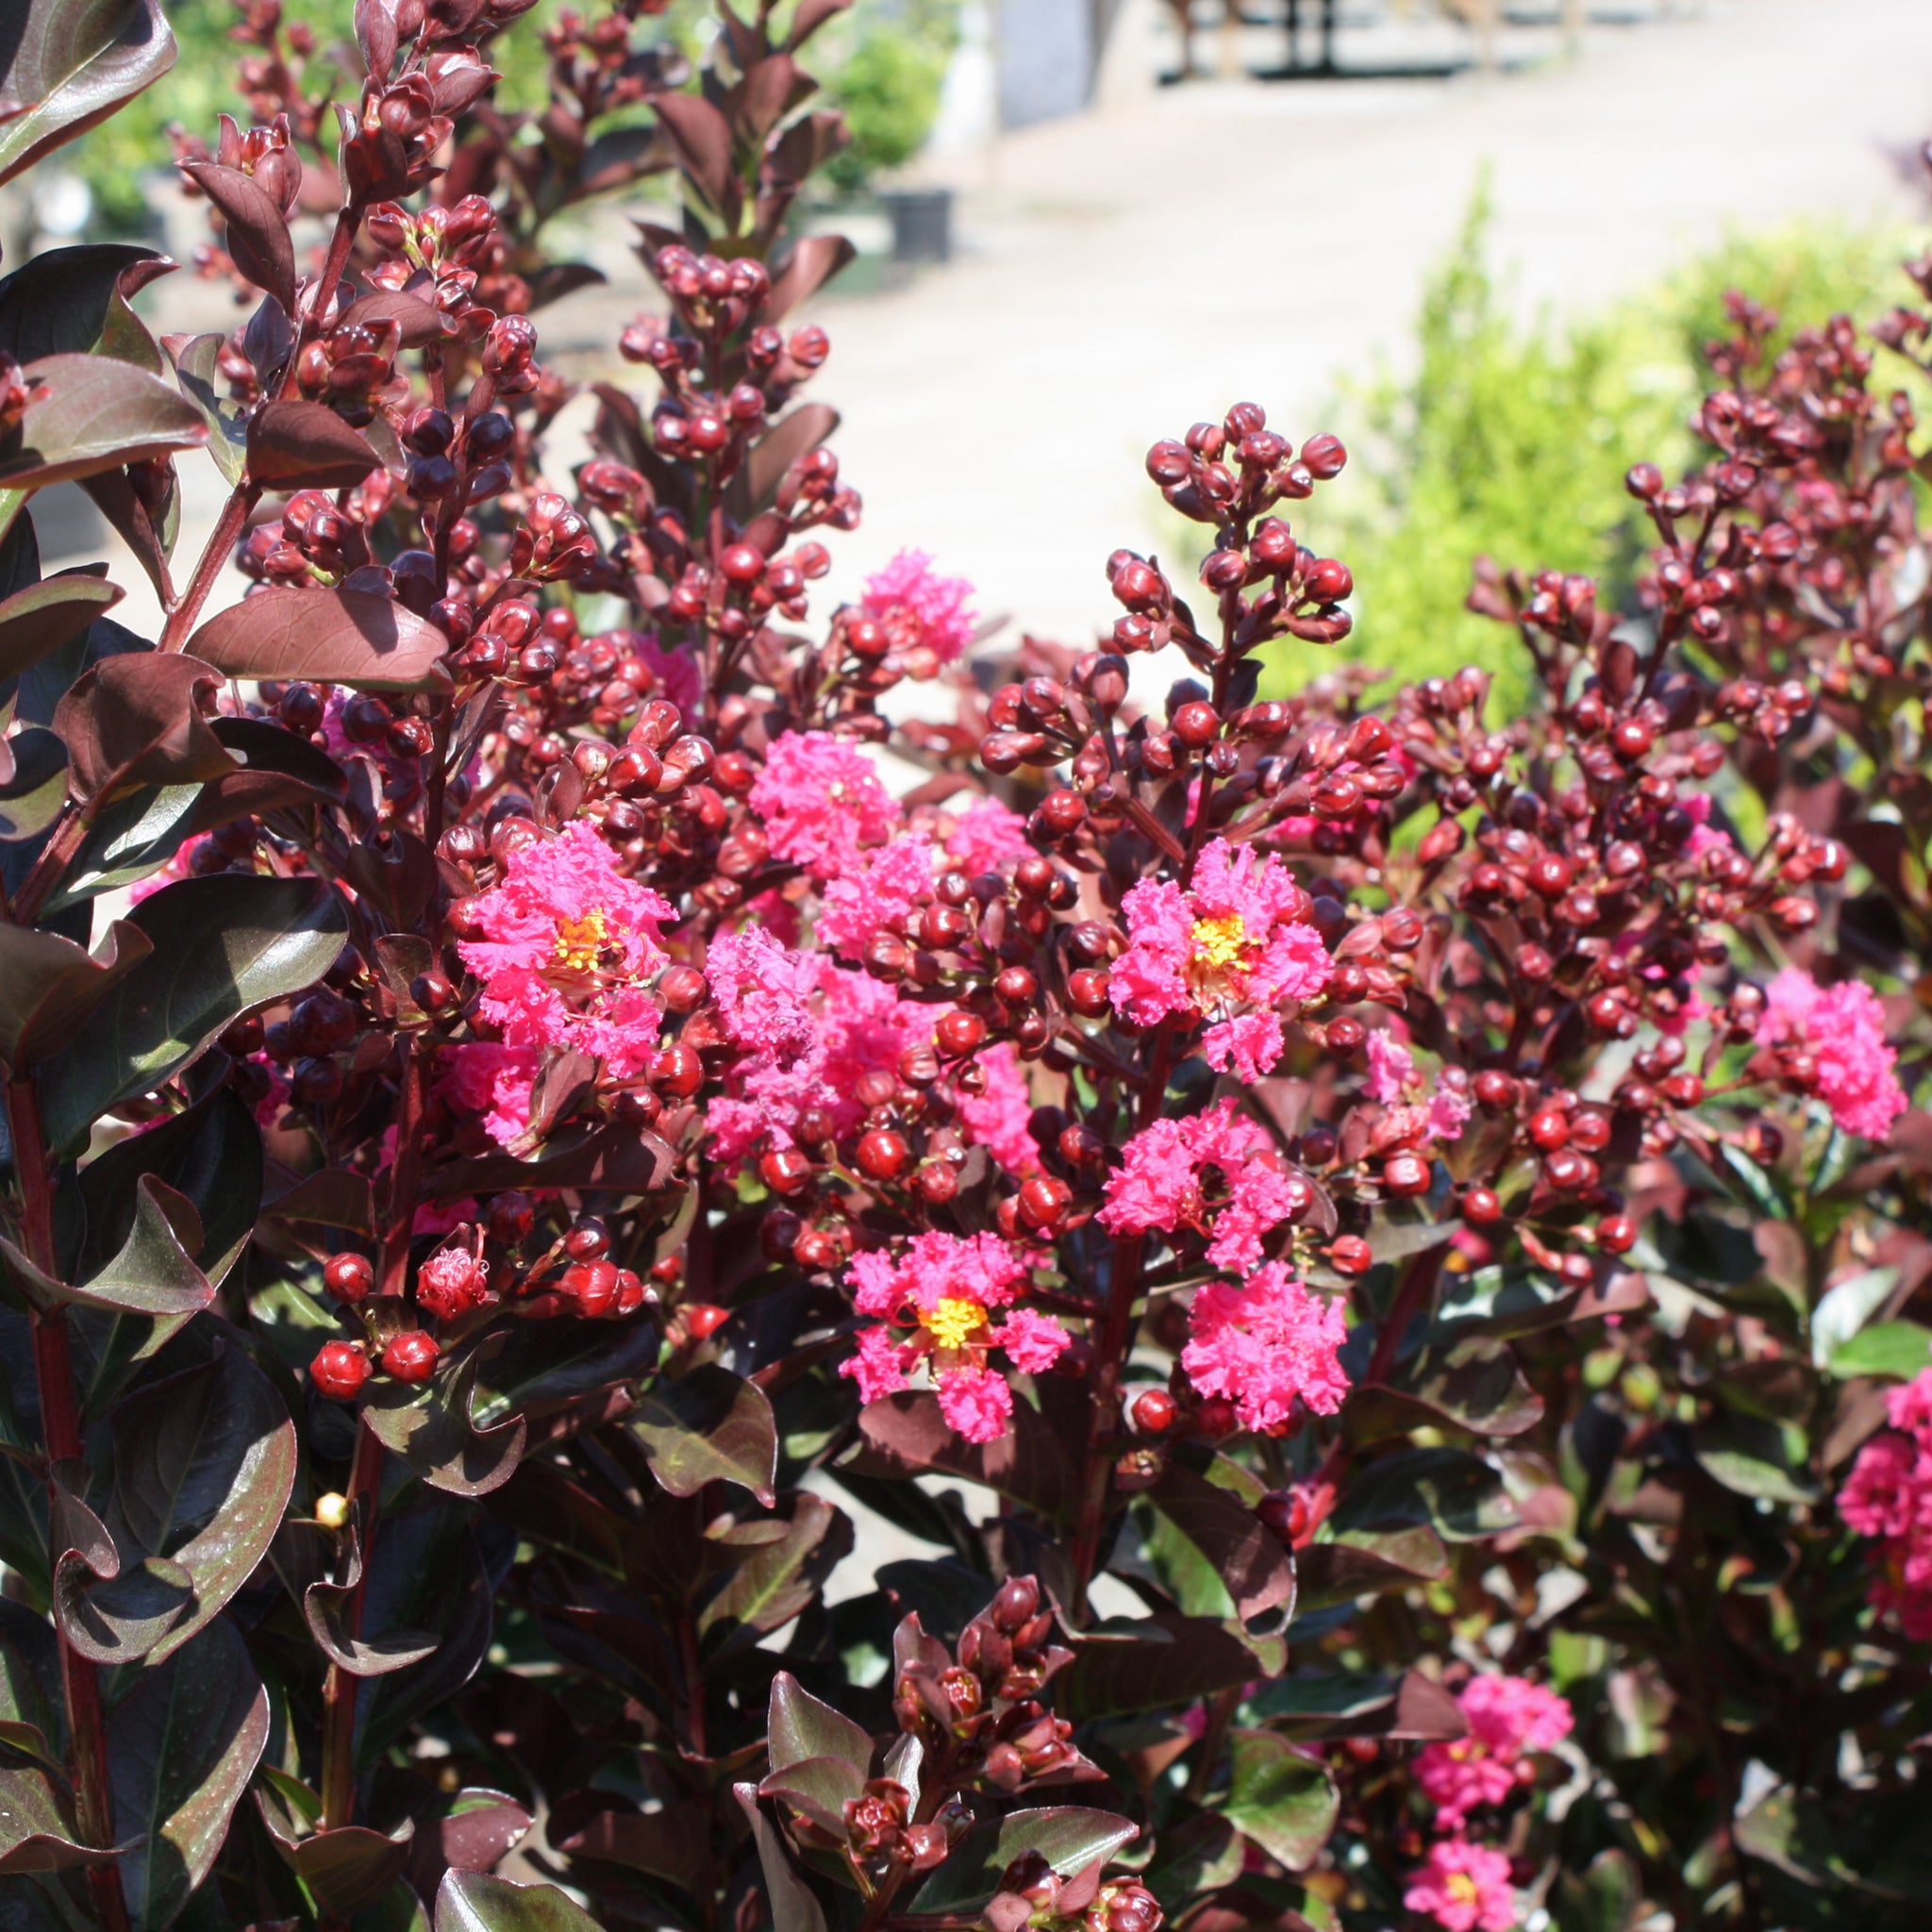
[(1220, 942), (952, 1320), (1461, 1887), (580, 942)]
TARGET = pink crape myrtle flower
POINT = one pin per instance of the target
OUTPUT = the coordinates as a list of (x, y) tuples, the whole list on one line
[(763, 991), (919, 607), (1889, 1495), (1159, 1184), (986, 837), (1265, 1346), (1842, 1029), (822, 802), (566, 948), (1393, 1073), (1464, 1888), (675, 671), (1509, 1717), (1000, 1118), (1231, 948), (485, 1079), (951, 1295), (874, 894), (1391, 1067)]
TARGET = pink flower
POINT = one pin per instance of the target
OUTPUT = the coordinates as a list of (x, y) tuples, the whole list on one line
[(1464, 1888), (763, 993), (1841, 1030), (1159, 1184), (943, 1292), (976, 1403), (1235, 938), (1888, 1494), (986, 837), (1509, 1717), (875, 893), (822, 802), (483, 1077), (1265, 1346), (919, 608), (567, 948), (1000, 1118), (1391, 1067), (675, 671), (452, 1282)]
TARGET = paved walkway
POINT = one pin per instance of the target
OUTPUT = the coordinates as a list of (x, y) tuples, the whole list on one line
[(1129, 270)]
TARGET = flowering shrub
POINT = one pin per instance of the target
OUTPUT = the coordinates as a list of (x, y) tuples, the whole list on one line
[(1370, 1247)]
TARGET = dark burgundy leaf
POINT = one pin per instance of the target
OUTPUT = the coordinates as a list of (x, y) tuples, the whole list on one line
[(1248, 1557), (135, 719), (331, 637), (71, 63), (905, 1435), (257, 232), (475, 1901), (75, 299), (93, 413), (709, 1425), (702, 138), (421, 321), (48, 984), (801, 432), (51, 613), (811, 262), (344, 1869), (303, 446)]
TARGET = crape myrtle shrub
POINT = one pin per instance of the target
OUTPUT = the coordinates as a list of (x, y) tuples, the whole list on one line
[(1370, 1245)]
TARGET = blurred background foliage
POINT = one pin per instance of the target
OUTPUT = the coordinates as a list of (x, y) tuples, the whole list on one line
[(884, 65), (1509, 439)]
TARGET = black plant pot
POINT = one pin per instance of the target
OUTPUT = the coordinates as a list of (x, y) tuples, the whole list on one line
[(922, 222)]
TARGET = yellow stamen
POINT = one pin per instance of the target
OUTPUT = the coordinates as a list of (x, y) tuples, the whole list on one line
[(1220, 942), (580, 942), (952, 1320), (1461, 1887)]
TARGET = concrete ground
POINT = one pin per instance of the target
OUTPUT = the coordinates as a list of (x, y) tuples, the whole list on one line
[(1129, 270)]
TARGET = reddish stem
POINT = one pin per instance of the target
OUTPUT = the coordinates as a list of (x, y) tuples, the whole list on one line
[(94, 1798), (340, 1692), (207, 566)]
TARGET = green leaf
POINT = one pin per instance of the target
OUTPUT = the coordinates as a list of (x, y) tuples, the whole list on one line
[(1160, 1660), (784, 1561), (1897, 1350), (429, 1426), (1255, 1572), (1411, 1706), (182, 1744), (709, 1425), (95, 413), (1199, 1855), (200, 381), (1456, 1493), (1748, 1456), (75, 299), (1068, 1837), (74, 62), (204, 1466), (1606, 1897), (1275, 1796), (801, 1726), (475, 1901), (49, 614), (1474, 1384), (220, 945), (330, 637), (34, 787), (1844, 1308)]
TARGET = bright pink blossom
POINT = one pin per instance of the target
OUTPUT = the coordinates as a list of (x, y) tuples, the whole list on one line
[(999, 1118), (1464, 1888), (486, 1079), (941, 1294), (452, 1282), (919, 608), (566, 949), (1159, 1184), (986, 835), (763, 993), (1265, 1346), (1509, 1717), (822, 802), (1842, 1029), (1234, 942), (874, 894), (1888, 1494), (1391, 1067), (675, 671)]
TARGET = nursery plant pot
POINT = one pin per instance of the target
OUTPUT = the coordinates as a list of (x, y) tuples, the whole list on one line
[(922, 222)]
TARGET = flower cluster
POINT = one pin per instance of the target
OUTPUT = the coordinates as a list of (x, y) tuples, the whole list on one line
[(941, 1303), (1889, 1495), (1830, 1041)]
